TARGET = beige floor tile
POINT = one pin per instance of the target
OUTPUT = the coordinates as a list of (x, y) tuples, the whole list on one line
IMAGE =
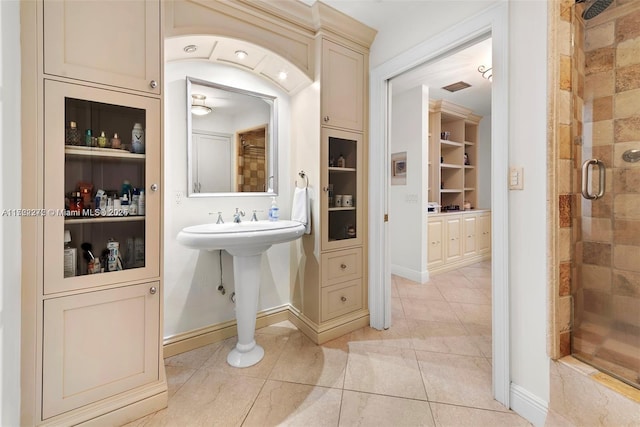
[(459, 416), (443, 337), (480, 283), (371, 410), (272, 345), (465, 295), (302, 361), (457, 380), (384, 370), (473, 271), (420, 291), (281, 328), (287, 404), (472, 313), (436, 311), (397, 312), (556, 420), (398, 335), (210, 398), (176, 377), (481, 336), (194, 358)]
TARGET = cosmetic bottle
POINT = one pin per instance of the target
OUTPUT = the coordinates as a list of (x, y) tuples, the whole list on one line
[(102, 140), (124, 203), (88, 138), (70, 256), (141, 203), (137, 139), (274, 211), (341, 161), (72, 135), (116, 142)]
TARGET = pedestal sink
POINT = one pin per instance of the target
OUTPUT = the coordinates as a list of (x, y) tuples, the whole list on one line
[(245, 241)]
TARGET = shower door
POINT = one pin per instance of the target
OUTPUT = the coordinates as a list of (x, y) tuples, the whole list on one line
[(606, 129)]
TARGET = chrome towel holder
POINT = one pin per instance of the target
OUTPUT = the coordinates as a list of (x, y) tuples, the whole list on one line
[(303, 175)]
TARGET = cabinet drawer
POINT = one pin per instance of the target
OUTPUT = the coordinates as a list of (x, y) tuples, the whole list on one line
[(340, 266), (341, 299)]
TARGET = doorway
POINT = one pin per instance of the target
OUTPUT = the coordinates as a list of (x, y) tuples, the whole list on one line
[(493, 22)]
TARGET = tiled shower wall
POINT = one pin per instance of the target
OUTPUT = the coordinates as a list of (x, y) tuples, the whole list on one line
[(598, 116)]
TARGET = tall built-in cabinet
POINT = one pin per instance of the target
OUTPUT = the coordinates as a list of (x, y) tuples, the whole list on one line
[(458, 235), (92, 323), (335, 286)]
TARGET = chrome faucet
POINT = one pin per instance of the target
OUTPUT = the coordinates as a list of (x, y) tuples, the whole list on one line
[(237, 215), (254, 217), (219, 221)]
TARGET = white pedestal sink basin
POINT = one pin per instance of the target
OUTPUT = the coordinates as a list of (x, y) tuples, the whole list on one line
[(246, 241)]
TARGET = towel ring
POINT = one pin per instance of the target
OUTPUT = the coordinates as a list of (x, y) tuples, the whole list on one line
[(306, 178)]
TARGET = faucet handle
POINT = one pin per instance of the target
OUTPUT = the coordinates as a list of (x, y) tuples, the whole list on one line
[(239, 212), (219, 221), (254, 217)]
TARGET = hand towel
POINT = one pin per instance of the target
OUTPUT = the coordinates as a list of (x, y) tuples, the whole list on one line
[(300, 208)]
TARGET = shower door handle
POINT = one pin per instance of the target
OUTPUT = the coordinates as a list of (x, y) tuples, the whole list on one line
[(586, 178)]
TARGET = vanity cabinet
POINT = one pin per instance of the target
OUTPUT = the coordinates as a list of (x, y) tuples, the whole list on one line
[(92, 288), (115, 43), (342, 86), (466, 236)]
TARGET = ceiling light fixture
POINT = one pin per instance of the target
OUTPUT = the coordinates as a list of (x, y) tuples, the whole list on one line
[(487, 73), (190, 48), (199, 109), (241, 54), (282, 75)]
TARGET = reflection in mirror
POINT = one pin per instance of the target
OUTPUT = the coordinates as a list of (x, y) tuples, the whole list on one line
[(232, 140)]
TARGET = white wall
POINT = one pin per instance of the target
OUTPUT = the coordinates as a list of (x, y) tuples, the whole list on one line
[(191, 277), (527, 219), (484, 162), (10, 183), (407, 212)]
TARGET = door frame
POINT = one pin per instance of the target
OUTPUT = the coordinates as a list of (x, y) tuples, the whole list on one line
[(493, 21)]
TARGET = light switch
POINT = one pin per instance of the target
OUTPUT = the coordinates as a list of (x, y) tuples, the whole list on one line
[(516, 175)]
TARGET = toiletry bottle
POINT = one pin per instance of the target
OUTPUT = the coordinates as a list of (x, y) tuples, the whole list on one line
[(137, 139), (141, 203), (72, 135), (116, 142), (124, 204), (102, 140), (274, 211), (133, 203), (126, 189), (88, 137), (341, 162), (70, 256)]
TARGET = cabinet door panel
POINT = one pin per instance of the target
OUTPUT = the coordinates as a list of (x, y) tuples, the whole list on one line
[(341, 266), (342, 86), (98, 344), (484, 235), (470, 235), (341, 299), (454, 245), (110, 42), (66, 166), (435, 236)]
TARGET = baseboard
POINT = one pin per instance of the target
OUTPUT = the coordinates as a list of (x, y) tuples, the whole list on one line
[(528, 405), (329, 330), (407, 273), (190, 340)]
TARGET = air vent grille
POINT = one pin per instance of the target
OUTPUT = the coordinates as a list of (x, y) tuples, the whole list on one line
[(454, 87)]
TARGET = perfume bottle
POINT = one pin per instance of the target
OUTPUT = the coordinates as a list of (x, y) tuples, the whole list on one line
[(102, 140), (72, 135)]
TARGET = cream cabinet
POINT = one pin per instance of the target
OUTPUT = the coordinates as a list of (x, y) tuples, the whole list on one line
[(116, 43), (92, 329), (99, 344), (457, 239), (342, 86)]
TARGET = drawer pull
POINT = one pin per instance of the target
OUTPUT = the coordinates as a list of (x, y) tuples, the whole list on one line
[(343, 298), (153, 290), (153, 84), (343, 266)]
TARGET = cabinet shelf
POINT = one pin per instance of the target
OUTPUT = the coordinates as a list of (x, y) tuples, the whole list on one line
[(350, 208), (451, 143), (469, 189), (450, 166), (469, 166), (469, 143), (103, 219), (112, 153), (337, 169), (451, 191)]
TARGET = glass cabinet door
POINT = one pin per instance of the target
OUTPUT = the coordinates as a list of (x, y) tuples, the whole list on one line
[(101, 204), (342, 219)]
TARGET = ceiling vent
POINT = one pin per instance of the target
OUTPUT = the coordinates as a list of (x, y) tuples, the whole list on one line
[(454, 87)]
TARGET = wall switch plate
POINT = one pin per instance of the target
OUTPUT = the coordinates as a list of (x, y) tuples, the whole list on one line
[(516, 178), (179, 196)]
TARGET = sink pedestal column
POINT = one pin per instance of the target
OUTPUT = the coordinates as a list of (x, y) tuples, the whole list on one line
[(246, 271)]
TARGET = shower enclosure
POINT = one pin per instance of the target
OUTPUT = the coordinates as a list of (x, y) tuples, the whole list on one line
[(605, 282)]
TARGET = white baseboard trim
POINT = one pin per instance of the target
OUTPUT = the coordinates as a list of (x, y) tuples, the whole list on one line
[(408, 273), (528, 406)]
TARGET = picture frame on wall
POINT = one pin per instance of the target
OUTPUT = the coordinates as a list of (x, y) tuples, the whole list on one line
[(399, 168)]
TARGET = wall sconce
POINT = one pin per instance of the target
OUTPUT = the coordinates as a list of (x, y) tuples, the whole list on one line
[(487, 73), (199, 109)]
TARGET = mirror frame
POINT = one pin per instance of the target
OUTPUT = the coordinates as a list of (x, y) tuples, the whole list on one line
[(272, 141)]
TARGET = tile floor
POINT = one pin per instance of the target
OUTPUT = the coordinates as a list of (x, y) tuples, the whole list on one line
[(431, 368)]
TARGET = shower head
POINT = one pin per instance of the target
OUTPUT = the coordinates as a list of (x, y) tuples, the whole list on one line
[(594, 8)]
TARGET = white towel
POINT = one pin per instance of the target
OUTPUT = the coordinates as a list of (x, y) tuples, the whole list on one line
[(300, 208)]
